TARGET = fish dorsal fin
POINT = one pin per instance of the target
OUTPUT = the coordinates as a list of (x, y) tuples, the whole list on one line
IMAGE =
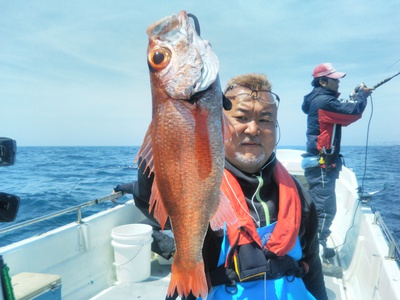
[(145, 153), (157, 204), (223, 214)]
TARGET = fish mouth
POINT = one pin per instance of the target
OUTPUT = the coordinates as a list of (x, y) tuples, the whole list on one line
[(163, 26), (191, 60), (166, 28)]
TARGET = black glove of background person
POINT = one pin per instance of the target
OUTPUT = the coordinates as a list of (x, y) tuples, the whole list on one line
[(162, 244)]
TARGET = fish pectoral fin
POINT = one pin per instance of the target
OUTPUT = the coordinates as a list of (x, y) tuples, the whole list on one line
[(157, 205), (223, 214), (226, 128), (145, 153)]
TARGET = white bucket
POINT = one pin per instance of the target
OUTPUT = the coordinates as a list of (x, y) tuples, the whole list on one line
[(132, 252)]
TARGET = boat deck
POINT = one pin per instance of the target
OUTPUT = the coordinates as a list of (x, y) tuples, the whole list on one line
[(156, 285), (334, 288)]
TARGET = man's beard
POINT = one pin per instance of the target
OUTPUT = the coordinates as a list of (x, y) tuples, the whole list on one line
[(252, 160)]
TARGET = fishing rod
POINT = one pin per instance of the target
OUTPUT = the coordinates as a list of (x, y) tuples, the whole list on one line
[(385, 80), (362, 196), (357, 89), (366, 197)]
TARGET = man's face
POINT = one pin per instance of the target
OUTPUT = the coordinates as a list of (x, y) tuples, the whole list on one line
[(332, 84), (254, 132)]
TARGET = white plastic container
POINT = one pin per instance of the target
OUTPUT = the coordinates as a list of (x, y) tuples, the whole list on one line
[(132, 252)]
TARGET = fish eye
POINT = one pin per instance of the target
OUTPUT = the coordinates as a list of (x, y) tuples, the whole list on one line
[(159, 58)]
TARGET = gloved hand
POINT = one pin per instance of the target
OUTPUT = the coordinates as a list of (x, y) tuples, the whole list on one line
[(268, 254), (162, 244), (284, 265), (363, 89)]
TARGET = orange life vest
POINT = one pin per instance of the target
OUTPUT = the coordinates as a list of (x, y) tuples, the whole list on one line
[(284, 236)]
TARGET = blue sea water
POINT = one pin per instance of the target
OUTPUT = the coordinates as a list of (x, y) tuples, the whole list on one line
[(49, 179)]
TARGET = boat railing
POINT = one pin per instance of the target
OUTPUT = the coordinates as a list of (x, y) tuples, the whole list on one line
[(77, 208), (394, 248), (393, 252)]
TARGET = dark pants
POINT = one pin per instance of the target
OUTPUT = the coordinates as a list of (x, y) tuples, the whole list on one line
[(322, 191)]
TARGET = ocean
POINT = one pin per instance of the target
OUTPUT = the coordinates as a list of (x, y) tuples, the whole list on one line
[(49, 179)]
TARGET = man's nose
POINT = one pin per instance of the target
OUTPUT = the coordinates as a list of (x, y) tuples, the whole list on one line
[(252, 128)]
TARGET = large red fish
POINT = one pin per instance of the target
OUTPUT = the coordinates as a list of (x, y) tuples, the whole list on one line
[(184, 145)]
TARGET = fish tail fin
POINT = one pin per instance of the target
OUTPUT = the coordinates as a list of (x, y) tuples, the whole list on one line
[(223, 214), (186, 282)]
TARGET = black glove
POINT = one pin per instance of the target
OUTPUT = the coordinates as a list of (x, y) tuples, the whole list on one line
[(162, 244), (125, 188), (302, 269), (279, 266), (268, 254)]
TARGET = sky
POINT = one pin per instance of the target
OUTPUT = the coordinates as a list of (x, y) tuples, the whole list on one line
[(74, 73)]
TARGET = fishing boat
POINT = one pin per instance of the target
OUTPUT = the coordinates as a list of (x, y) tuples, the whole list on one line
[(78, 260)]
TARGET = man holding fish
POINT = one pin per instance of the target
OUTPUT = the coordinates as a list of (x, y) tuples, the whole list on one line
[(277, 244), (243, 227)]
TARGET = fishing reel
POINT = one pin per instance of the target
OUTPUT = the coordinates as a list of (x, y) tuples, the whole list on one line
[(358, 87), (362, 85)]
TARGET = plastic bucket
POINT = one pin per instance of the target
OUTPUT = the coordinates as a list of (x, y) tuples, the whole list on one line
[(132, 252)]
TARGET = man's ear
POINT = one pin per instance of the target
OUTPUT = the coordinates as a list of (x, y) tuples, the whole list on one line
[(323, 82)]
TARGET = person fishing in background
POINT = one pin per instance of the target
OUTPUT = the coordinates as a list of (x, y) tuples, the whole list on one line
[(326, 115), (275, 254)]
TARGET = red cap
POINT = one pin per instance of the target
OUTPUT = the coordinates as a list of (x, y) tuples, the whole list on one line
[(327, 70)]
